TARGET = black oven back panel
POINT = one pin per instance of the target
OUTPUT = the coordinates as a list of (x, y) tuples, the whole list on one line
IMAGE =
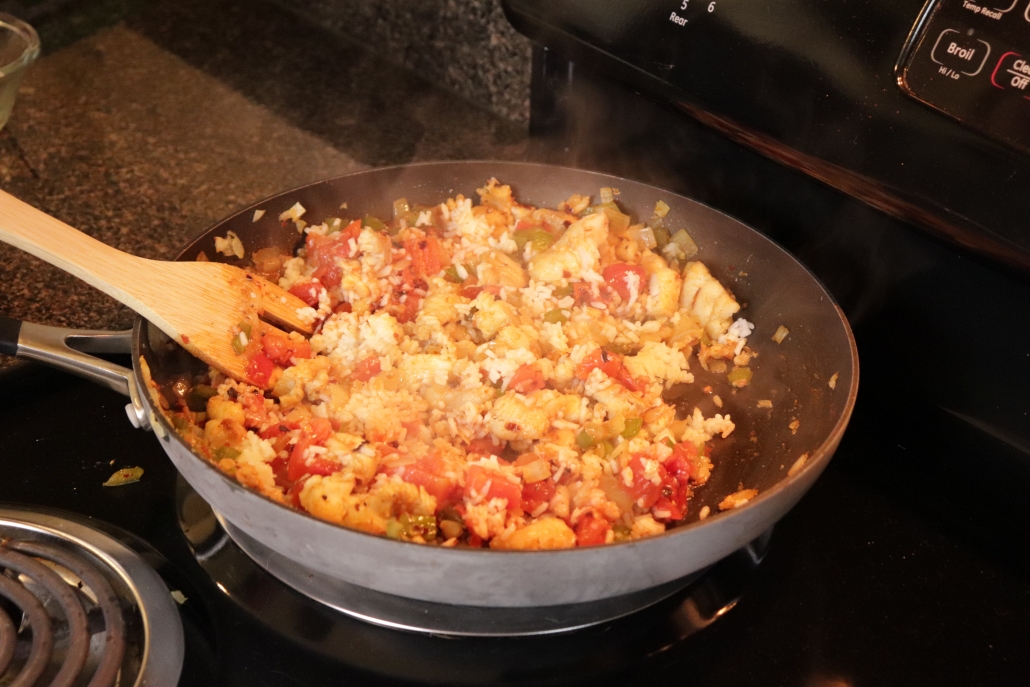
[(971, 60), (817, 84)]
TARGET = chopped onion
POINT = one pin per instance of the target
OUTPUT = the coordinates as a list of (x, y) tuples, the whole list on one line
[(643, 235), (615, 493), (607, 196), (682, 239), (537, 471), (781, 334), (400, 207), (661, 209)]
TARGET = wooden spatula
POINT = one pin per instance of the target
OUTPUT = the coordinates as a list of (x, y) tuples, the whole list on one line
[(198, 304)]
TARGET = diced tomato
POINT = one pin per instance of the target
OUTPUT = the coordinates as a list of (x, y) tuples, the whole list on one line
[(536, 493), (529, 224), (429, 472), (323, 252), (319, 429), (366, 369), (409, 309), (611, 365), (643, 490), (259, 369), (342, 307), (617, 276), (293, 493), (526, 379), (683, 461), (282, 350), (279, 466), (314, 433), (591, 530), (426, 254), (479, 479), (672, 501), (308, 292), (485, 446), (473, 291)]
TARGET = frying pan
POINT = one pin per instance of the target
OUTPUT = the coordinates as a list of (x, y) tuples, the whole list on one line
[(807, 415)]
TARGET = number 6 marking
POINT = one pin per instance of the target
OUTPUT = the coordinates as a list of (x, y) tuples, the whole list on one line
[(711, 6)]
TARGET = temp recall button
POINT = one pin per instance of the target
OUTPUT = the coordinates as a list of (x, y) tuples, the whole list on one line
[(1012, 73), (960, 53)]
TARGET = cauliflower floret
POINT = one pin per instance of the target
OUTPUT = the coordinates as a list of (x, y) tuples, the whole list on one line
[(487, 519), (300, 381), (705, 299), (645, 526), (498, 268), (491, 315), (380, 334), (513, 338), (219, 408), (575, 252), (329, 498), (513, 418), (618, 398), (424, 368), (658, 361), (547, 533), (440, 301), (663, 292), (376, 248)]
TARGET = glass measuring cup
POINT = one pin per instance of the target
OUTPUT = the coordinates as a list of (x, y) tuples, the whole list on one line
[(19, 47)]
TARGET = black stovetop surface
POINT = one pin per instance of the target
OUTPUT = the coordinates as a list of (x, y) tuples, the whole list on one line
[(894, 569)]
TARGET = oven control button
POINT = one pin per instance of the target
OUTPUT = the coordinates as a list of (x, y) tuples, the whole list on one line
[(960, 53), (1012, 73)]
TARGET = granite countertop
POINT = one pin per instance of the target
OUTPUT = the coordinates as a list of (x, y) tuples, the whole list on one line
[(143, 126)]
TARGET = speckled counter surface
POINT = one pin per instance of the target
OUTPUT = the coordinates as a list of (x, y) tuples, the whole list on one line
[(150, 124)]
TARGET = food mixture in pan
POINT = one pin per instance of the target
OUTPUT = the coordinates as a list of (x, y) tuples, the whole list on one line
[(485, 374)]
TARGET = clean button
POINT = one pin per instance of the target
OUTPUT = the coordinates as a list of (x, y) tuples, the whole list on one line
[(1012, 73)]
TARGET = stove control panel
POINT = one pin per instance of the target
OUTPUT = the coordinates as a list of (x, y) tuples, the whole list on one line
[(971, 59)]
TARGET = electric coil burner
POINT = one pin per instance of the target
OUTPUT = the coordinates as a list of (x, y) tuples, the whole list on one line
[(80, 608)]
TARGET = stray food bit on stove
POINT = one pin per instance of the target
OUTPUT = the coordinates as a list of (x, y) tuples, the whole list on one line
[(798, 464), (737, 499), (781, 334), (258, 214), (483, 375), (765, 403), (178, 596), (124, 476), (794, 424), (705, 510), (717, 400), (833, 380)]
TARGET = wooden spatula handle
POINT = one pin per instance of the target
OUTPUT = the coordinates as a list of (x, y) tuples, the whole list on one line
[(53, 241)]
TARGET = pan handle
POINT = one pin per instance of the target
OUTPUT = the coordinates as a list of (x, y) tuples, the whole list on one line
[(69, 349)]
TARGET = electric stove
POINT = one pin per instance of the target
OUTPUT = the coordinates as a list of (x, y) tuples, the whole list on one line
[(904, 564)]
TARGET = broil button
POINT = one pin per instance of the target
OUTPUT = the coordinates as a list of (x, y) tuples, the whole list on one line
[(961, 53), (1012, 73)]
